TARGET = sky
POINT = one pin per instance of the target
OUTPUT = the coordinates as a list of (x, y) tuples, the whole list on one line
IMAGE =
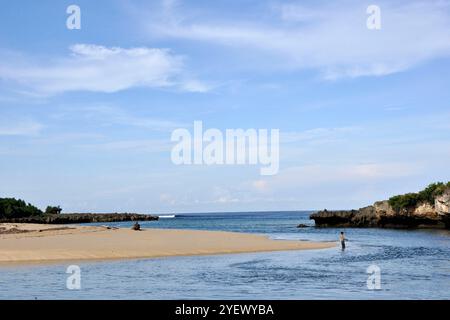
[(86, 115)]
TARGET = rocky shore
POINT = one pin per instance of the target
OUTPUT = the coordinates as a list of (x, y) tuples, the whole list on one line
[(73, 218), (432, 213)]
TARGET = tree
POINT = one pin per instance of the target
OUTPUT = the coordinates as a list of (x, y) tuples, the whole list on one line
[(53, 210), (13, 208)]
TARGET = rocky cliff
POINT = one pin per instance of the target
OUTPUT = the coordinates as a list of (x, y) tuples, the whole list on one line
[(431, 213)]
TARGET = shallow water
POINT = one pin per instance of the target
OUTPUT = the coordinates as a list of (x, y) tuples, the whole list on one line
[(413, 265)]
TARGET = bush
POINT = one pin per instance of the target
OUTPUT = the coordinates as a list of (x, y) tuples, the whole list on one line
[(410, 200), (400, 202), (53, 210), (433, 190)]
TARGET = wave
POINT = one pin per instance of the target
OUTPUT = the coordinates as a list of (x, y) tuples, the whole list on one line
[(167, 216)]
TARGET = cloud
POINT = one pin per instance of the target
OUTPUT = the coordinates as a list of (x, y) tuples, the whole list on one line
[(167, 198), (313, 175), (195, 86), (260, 185), (331, 38), (20, 128), (317, 134), (110, 115), (141, 145), (100, 69), (223, 195)]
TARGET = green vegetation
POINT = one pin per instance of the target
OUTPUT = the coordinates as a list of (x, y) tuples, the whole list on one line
[(427, 195), (13, 208), (53, 210)]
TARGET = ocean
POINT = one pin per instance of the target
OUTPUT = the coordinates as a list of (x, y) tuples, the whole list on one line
[(411, 264)]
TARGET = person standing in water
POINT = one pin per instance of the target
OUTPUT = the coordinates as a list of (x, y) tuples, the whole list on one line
[(342, 239)]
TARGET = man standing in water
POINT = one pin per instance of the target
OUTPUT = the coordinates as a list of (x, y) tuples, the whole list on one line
[(342, 239)]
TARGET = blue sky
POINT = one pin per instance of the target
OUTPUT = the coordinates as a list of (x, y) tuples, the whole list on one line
[(86, 115)]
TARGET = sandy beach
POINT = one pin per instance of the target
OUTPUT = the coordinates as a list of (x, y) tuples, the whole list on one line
[(31, 243)]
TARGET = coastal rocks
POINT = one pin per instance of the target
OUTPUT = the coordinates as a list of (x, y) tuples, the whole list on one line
[(364, 217), (383, 208), (381, 214), (442, 203), (425, 210), (442, 206), (327, 218), (301, 225)]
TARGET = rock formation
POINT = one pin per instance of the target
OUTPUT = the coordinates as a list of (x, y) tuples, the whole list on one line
[(423, 214)]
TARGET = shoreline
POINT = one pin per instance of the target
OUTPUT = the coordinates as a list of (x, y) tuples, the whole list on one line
[(35, 244)]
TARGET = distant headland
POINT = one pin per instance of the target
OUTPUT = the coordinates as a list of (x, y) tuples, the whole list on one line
[(18, 211), (429, 208)]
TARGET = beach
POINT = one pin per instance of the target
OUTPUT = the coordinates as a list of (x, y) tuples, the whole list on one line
[(35, 243)]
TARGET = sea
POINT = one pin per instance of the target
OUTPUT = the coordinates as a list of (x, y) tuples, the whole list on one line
[(376, 264)]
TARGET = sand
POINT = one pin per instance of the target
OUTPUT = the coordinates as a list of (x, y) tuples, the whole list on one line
[(28, 243)]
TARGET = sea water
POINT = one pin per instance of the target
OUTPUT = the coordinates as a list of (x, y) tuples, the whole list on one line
[(413, 264)]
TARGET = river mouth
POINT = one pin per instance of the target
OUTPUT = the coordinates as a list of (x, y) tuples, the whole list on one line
[(413, 265)]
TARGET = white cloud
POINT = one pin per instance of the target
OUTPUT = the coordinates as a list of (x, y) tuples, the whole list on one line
[(195, 86), (167, 198), (99, 69), (260, 185), (223, 195), (20, 128), (317, 134), (332, 38), (313, 175), (142, 145), (110, 115)]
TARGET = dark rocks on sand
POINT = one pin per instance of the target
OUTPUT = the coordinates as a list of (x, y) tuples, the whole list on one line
[(136, 227)]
